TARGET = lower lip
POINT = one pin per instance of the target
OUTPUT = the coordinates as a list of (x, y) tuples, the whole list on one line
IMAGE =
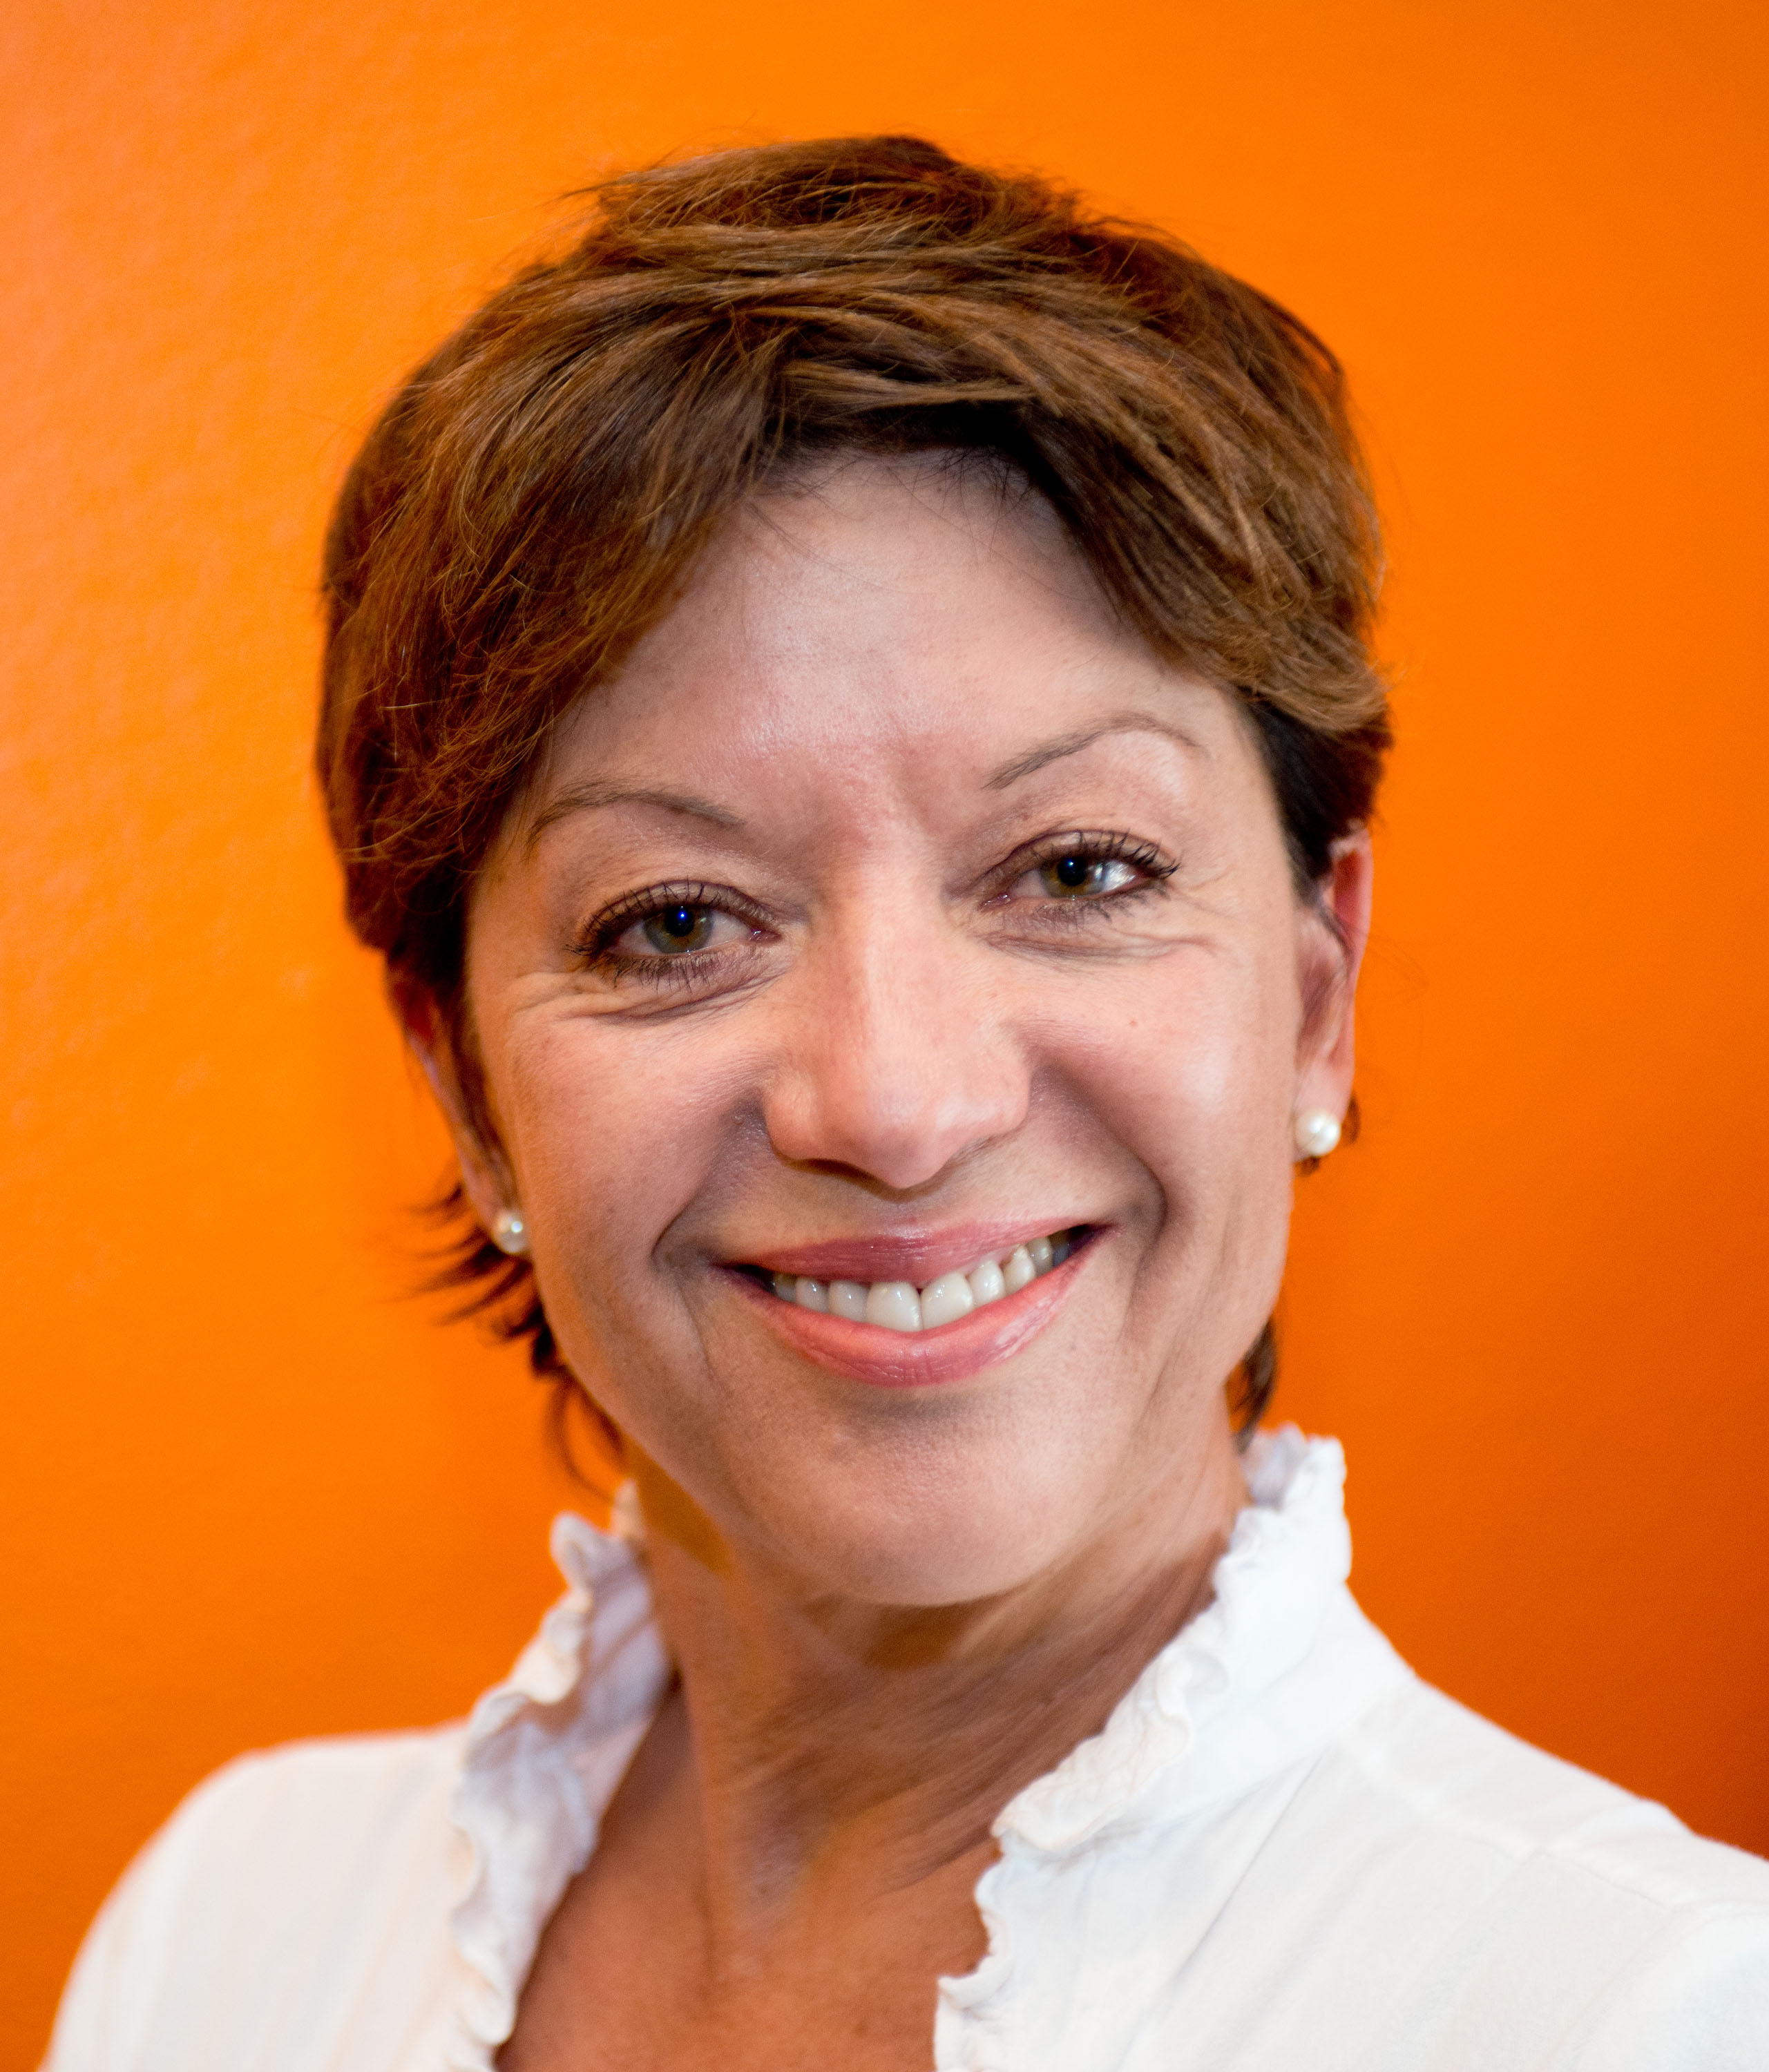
[(920, 1360)]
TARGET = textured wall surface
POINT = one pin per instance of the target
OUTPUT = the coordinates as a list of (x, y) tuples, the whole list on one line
[(252, 1491)]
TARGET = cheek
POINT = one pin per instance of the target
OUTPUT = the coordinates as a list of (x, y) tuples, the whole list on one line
[(612, 1133), (1192, 1068), (1193, 1078)]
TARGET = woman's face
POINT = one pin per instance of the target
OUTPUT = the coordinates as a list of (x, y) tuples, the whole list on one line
[(893, 910)]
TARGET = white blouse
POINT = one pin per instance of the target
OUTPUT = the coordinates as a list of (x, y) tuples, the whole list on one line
[(1283, 1853)]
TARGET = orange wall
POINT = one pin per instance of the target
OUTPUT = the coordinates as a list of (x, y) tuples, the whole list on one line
[(252, 1492)]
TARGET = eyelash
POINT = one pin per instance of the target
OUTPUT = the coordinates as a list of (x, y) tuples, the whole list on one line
[(596, 945), (1092, 845)]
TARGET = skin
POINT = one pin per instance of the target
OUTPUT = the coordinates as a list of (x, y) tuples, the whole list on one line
[(885, 705)]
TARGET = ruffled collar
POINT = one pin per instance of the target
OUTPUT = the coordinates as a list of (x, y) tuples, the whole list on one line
[(544, 1751), (1244, 1690)]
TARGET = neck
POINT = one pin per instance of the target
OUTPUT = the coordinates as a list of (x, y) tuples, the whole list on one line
[(826, 1744)]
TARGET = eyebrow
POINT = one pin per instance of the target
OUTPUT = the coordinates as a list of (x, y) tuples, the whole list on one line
[(596, 793), (1009, 774)]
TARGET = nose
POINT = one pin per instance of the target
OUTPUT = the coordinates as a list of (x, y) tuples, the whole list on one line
[(896, 1056)]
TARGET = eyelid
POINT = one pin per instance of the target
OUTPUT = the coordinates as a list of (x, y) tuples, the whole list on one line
[(1097, 845), (604, 929), (596, 939)]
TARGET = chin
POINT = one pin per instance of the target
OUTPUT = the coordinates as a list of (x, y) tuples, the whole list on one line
[(961, 1530)]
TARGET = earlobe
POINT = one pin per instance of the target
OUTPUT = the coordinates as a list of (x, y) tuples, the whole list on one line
[(1316, 1133)]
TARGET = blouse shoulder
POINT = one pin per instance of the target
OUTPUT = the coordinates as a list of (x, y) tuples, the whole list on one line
[(1581, 1911), (300, 1889), (1472, 1782)]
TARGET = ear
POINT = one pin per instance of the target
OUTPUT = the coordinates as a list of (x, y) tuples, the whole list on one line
[(454, 1079), (1331, 936)]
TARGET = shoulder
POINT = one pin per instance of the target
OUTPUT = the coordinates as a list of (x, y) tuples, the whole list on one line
[(306, 1823), (1471, 1782), (303, 1891), (1586, 1913)]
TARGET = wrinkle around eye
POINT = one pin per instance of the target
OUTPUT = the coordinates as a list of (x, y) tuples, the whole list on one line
[(665, 987), (1108, 925)]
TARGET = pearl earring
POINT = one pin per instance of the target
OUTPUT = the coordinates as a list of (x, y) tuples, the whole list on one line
[(510, 1232), (1316, 1131)]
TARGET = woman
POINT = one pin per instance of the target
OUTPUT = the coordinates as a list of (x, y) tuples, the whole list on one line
[(848, 715)]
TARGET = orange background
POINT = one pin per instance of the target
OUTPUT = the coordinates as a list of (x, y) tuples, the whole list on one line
[(252, 1491)]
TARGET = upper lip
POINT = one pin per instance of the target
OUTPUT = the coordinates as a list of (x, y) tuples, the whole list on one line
[(917, 1255)]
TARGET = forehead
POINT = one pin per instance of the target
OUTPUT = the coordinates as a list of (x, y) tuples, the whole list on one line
[(905, 627)]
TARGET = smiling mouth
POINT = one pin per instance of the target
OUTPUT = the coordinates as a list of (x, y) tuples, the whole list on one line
[(900, 1305)]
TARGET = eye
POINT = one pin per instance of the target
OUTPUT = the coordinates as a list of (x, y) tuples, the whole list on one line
[(1080, 874), (1081, 869), (678, 928), (689, 926), (673, 929)]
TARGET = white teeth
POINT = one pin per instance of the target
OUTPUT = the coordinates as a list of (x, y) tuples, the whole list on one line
[(848, 1298), (897, 1306), (986, 1284), (946, 1300), (894, 1304)]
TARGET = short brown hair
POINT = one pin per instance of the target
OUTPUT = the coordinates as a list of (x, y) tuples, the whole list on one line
[(532, 498)]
